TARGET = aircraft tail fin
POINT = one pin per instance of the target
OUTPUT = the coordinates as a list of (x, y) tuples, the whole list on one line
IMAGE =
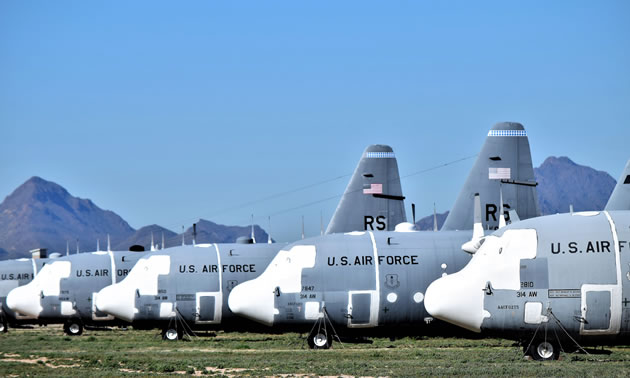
[(373, 199), (620, 197), (504, 161)]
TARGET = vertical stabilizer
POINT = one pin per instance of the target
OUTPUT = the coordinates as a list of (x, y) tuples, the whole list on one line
[(504, 158), (373, 199), (620, 197)]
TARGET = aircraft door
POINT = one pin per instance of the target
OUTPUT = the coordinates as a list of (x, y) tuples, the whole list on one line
[(209, 306), (597, 312), (362, 309)]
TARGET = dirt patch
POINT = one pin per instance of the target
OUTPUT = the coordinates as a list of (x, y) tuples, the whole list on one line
[(33, 360)]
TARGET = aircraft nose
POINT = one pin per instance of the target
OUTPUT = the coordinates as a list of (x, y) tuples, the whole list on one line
[(25, 300), (254, 301), (116, 301), (453, 300)]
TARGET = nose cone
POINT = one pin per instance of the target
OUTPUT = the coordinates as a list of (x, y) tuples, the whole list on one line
[(451, 299), (25, 300), (253, 301), (116, 301)]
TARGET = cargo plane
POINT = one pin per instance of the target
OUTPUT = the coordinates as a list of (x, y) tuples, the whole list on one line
[(553, 283)]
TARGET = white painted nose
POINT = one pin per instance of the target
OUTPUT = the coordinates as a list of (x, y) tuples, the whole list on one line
[(26, 300), (117, 301), (451, 299), (253, 301)]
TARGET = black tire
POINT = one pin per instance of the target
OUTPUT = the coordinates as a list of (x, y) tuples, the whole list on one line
[(319, 339), (4, 327), (73, 328), (544, 350), (172, 334)]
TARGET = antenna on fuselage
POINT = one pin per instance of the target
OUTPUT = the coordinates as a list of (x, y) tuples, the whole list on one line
[(98, 245), (194, 234), (571, 209), (413, 213), (67, 248), (501, 215), (77, 246), (477, 237), (269, 231), (162, 239), (321, 222), (302, 227), (109, 247), (152, 244), (253, 236), (183, 244)]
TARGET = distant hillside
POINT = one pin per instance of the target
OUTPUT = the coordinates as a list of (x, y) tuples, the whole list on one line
[(426, 223), (207, 232), (561, 182), (143, 237), (40, 213), (210, 232)]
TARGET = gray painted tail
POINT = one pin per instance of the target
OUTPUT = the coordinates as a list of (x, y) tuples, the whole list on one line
[(373, 200), (620, 197), (504, 161)]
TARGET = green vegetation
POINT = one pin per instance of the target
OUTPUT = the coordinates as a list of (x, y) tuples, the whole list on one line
[(46, 351)]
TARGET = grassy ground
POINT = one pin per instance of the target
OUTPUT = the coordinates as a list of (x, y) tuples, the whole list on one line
[(46, 351)]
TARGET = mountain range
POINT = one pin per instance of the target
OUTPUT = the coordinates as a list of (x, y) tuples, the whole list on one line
[(41, 213)]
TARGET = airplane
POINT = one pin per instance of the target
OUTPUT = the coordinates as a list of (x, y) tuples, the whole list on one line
[(66, 291), (14, 273), (367, 283), (552, 283)]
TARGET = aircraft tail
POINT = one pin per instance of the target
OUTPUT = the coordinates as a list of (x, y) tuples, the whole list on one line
[(620, 197), (503, 168), (373, 200)]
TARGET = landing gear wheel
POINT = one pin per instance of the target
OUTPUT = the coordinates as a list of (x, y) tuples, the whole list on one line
[(73, 328), (544, 350), (319, 339), (171, 334), (4, 328)]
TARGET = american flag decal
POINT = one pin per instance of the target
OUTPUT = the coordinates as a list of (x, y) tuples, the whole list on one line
[(499, 173), (374, 189)]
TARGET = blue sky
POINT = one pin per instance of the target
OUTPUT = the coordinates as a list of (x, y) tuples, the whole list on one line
[(166, 112)]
